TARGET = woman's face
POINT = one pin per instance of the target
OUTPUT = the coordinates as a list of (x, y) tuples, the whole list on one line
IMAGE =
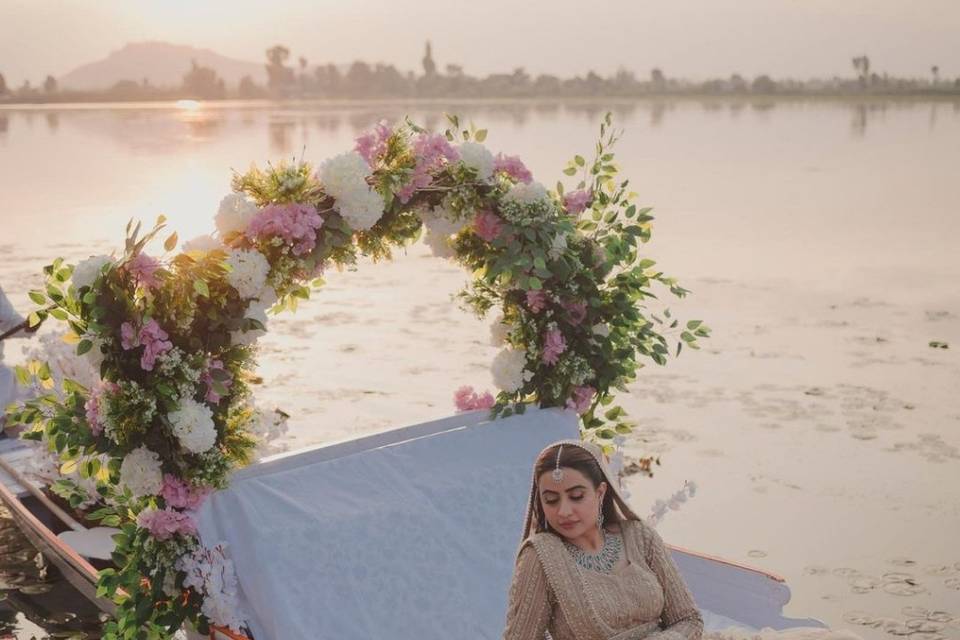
[(572, 504)]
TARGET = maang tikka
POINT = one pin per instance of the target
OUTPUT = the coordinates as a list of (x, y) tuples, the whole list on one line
[(558, 472)]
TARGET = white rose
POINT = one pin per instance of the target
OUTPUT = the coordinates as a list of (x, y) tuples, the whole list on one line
[(508, 370), (476, 156), (87, 272), (601, 330), (235, 214), (193, 425), (141, 472)]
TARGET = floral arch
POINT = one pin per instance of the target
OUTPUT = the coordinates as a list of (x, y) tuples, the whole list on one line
[(174, 336)]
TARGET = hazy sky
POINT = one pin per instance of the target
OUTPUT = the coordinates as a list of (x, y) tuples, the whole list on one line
[(688, 38)]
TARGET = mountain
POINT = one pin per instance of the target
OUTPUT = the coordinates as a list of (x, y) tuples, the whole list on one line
[(162, 63)]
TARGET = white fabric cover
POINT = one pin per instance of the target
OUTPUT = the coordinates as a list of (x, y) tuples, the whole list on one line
[(409, 534)]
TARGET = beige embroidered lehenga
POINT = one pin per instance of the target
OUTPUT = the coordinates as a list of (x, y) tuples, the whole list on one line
[(647, 598)]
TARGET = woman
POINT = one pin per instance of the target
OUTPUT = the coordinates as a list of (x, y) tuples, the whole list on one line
[(588, 567)]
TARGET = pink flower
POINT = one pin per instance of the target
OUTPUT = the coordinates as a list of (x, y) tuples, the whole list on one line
[(143, 268), (467, 399), (513, 167), (207, 377), (128, 336), (487, 225), (92, 405), (536, 300), (155, 344), (581, 399), (373, 144), (179, 494), (165, 523), (296, 223), (577, 311), (430, 150), (553, 346), (151, 337), (576, 201)]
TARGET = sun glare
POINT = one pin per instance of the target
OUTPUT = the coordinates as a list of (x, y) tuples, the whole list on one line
[(188, 105)]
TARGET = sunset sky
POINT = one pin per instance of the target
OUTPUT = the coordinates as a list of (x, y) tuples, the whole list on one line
[(687, 38)]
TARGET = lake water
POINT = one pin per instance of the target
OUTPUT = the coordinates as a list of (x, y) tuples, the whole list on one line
[(773, 213)]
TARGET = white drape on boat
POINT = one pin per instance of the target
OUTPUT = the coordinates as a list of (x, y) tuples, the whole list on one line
[(408, 534)]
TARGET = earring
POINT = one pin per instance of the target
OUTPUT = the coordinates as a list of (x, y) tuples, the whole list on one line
[(600, 520)]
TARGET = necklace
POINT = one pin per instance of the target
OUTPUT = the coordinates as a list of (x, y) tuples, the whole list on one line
[(601, 561)]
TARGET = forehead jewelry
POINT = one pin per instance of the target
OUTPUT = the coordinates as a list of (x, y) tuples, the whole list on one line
[(558, 472)]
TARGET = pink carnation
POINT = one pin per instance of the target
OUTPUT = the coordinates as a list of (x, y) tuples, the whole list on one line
[(576, 201), (151, 337), (553, 346), (513, 167), (373, 144), (467, 399), (165, 523), (296, 223), (536, 300), (143, 268), (207, 378), (581, 399), (487, 225), (577, 311), (179, 494)]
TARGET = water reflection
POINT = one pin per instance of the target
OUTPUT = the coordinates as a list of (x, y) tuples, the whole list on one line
[(35, 600), (170, 127)]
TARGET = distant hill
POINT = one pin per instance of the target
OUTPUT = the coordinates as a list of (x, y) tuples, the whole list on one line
[(162, 63)]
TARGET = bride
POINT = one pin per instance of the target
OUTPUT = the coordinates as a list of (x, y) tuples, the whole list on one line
[(589, 568)]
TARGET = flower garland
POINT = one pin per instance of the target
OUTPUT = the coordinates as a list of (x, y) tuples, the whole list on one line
[(173, 336)]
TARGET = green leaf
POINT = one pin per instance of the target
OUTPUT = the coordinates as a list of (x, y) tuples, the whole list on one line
[(480, 135), (693, 324), (38, 297), (200, 286), (570, 171), (34, 319), (580, 161), (171, 242), (534, 283), (84, 346)]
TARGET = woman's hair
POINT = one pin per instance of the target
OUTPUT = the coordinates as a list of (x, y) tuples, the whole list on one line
[(578, 458)]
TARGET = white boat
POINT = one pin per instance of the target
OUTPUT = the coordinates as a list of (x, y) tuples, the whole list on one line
[(309, 535)]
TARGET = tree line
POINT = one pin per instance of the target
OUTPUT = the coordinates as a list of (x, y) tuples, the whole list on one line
[(286, 79)]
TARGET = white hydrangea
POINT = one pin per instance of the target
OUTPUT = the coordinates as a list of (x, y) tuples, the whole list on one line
[(248, 272), (193, 425), (345, 178), (210, 573), (478, 157), (499, 330), (508, 370), (522, 193), (202, 244), (361, 208), (341, 174), (85, 273), (141, 472), (235, 214)]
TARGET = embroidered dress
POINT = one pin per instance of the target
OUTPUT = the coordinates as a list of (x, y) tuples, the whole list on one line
[(645, 599)]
